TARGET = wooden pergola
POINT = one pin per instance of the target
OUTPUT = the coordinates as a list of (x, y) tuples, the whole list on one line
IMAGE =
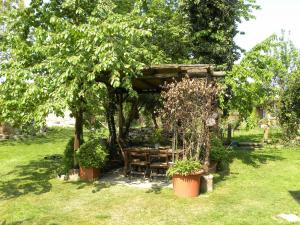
[(155, 76), (152, 80)]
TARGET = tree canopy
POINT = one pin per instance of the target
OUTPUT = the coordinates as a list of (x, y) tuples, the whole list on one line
[(52, 52), (263, 75)]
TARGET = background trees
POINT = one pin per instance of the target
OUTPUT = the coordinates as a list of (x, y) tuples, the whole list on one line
[(263, 78), (53, 52), (213, 26)]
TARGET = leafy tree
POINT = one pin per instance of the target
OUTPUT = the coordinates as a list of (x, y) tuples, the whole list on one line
[(56, 51), (289, 108), (213, 26), (263, 75)]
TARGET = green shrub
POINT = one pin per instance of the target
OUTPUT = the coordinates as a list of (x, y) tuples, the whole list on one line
[(184, 167), (219, 153), (252, 120), (69, 155), (157, 136), (92, 154)]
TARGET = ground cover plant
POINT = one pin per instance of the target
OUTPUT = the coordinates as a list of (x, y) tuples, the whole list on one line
[(257, 186)]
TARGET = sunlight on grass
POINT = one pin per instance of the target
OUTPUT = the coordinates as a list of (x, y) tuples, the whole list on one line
[(258, 185)]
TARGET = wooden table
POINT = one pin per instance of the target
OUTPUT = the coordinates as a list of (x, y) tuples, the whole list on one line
[(149, 151)]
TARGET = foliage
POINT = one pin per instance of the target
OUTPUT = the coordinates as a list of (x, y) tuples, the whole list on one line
[(220, 153), (156, 137), (69, 155), (58, 49), (289, 108), (218, 150), (261, 76), (92, 154), (213, 26), (252, 120), (184, 167), (187, 108)]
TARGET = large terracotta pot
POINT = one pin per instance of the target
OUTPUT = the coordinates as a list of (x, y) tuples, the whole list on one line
[(186, 186), (89, 174)]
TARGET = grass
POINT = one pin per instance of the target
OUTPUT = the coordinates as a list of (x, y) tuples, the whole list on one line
[(256, 135), (258, 185)]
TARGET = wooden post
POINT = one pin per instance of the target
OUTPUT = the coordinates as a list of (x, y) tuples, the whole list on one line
[(266, 133)]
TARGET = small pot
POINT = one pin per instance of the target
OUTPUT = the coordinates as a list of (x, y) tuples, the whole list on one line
[(89, 174), (186, 186)]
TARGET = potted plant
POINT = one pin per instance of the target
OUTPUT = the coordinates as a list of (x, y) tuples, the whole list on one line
[(186, 177), (91, 157), (188, 112)]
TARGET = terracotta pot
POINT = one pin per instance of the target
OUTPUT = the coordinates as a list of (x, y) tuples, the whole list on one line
[(89, 174), (186, 186)]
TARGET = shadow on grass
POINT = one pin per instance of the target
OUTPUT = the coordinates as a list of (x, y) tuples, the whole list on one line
[(254, 158), (30, 178), (155, 188), (295, 195), (53, 135), (97, 186), (16, 222), (256, 135)]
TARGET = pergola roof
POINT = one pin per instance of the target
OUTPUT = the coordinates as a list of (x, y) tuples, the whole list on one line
[(155, 76)]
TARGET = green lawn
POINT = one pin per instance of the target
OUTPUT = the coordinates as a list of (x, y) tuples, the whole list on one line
[(259, 185)]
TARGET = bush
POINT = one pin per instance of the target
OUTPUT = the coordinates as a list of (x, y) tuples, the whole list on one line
[(252, 120), (157, 137), (184, 167), (289, 109), (69, 155), (219, 153), (92, 154)]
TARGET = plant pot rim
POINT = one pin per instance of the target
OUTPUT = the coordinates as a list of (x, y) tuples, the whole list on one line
[(88, 167), (199, 172)]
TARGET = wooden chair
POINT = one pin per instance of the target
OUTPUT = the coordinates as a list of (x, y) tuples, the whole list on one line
[(138, 164), (159, 164)]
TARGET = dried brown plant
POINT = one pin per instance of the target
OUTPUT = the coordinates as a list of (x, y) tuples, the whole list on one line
[(188, 109)]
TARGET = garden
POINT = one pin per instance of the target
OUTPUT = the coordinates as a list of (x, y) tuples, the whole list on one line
[(260, 184), (172, 122)]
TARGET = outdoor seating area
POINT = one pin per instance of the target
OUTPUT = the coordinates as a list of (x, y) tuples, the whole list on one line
[(148, 161), (149, 112)]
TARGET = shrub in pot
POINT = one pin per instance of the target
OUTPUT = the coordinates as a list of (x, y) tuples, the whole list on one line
[(188, 111), (186, 177), (91, 157)]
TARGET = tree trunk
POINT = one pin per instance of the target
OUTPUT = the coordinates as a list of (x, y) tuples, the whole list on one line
[(78, 136), (132, 114), (229, 133), (110, 112), (120, 117)]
